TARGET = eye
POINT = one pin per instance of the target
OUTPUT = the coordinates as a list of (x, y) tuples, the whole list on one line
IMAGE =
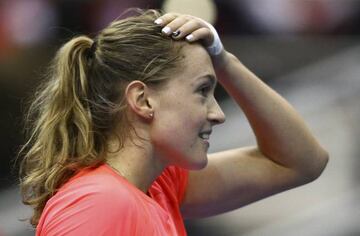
[(204, 90)]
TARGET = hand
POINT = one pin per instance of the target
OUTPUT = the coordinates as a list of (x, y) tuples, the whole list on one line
[(193, 29)]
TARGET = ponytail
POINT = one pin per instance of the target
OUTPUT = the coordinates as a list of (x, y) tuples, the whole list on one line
[(62, 138)]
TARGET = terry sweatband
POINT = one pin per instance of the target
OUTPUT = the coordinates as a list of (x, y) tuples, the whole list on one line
[(216, 47)]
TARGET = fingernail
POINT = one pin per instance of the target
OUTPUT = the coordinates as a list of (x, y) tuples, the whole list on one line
[(166, 30), (189, 37), (176, 33), (158, 21)]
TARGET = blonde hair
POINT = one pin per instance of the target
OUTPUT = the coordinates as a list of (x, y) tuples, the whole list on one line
[(81, 102)]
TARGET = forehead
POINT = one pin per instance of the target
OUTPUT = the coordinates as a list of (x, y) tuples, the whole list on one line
[(195, 63)]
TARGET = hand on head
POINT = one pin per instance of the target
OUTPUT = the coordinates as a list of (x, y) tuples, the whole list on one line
[(192, 28)]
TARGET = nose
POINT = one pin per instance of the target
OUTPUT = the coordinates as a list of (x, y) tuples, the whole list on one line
[(216, 114)]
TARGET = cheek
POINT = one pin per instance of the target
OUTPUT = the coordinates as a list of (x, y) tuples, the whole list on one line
[(188, 117), (175, 130), (175, 138), (180, 125), (175, 125)]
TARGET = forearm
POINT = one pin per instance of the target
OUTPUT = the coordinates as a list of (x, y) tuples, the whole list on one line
[(281, 134)]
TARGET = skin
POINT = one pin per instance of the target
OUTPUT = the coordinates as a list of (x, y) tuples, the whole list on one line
[(175, 132), (172, 134), (286, 154)]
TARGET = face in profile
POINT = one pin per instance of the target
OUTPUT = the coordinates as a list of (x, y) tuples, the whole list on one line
[(186, 111)]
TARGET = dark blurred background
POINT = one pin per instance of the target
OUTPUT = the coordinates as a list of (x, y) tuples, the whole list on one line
[(308, 50)]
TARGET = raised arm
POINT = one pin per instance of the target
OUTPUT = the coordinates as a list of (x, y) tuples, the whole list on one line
[(286, 155), (281, 134)]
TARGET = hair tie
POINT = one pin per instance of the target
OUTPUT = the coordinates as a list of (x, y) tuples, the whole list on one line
[(92, 49)]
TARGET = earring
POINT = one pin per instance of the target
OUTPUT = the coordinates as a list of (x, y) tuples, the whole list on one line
[(151, 115)]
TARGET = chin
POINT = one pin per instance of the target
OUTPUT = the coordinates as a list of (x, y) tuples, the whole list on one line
[(193, 160), (198, 164)]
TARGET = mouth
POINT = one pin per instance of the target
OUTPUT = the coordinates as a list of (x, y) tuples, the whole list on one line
[(205, 136)]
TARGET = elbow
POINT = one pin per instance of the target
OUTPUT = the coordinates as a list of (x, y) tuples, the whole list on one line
[(317, 166)]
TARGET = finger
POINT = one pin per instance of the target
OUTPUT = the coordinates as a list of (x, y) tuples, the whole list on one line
[(166, 18), (174, 25), (186, 29), (201, 34)]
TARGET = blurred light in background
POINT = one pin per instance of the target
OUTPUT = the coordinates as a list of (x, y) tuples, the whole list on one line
[(29, 21), (25, 23), (205, 9), (299, 16), (108, 10)]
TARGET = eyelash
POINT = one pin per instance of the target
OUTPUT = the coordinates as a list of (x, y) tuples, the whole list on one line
[(204, 90)]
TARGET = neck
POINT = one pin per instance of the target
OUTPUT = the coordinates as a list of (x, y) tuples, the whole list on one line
[(137, 164)]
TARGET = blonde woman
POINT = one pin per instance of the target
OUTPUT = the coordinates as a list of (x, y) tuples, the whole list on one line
[(120, 132)]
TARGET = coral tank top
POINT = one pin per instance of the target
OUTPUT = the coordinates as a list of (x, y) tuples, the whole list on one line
[(100, 202)]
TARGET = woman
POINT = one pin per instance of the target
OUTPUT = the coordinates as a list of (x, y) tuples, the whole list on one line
[(120, 133)]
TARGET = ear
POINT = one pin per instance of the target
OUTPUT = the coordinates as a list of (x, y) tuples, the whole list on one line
[(137, 96)]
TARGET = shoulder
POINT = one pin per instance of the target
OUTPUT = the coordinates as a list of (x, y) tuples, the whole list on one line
[(173, 175), (98, 202), (94, 191), (174, 172), (172, 182)]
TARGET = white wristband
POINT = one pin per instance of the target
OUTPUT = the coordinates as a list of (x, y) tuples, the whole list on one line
[(216, 47)]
